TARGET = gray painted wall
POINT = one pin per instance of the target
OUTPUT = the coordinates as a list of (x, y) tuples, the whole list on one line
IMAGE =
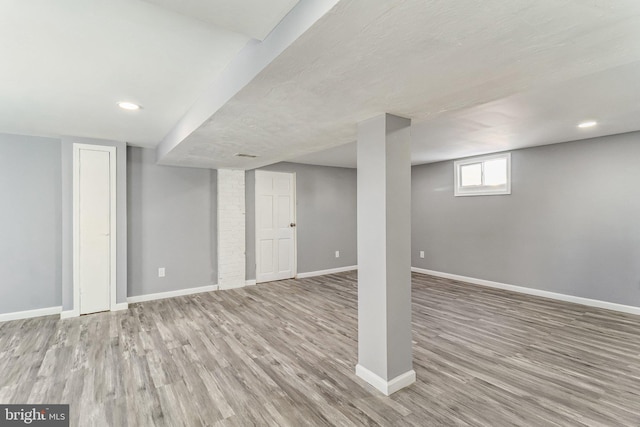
[(30, 223), (67, 217), (571, 224), (172, 224), (326, 216)]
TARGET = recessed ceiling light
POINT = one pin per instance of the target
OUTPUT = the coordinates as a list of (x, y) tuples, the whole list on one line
[(588, 124), (128, 106)]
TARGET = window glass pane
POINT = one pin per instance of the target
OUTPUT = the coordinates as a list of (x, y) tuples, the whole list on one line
[(495, 172), (471, 175)]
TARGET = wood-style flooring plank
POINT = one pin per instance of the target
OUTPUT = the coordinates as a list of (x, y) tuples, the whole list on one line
[(284, 354)]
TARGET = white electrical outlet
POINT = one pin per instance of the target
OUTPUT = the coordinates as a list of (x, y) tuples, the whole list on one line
[(161, 272), (421, 254), (337, 254)]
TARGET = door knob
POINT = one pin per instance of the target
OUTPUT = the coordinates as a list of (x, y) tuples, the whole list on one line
[(293, 224)]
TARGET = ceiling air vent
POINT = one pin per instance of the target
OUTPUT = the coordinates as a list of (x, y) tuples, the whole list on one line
[(250, 156)]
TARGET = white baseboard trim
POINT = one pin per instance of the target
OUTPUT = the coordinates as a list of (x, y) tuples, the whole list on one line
[(121, 306), (386, 387), (323, 272), (229, 287), (249, 282), (67, 314), (171, 294), (537, 292), (27, 314)]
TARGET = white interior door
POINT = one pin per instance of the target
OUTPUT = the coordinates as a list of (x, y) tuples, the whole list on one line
[(275, 226), (94, 227)]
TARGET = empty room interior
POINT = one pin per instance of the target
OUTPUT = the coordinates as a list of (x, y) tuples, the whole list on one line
[(320, 212)]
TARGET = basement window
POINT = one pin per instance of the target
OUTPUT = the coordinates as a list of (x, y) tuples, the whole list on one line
[(483, 176)]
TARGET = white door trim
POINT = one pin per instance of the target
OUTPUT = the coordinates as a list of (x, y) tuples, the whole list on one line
[(76, 223), (295, 229), (295, 219)]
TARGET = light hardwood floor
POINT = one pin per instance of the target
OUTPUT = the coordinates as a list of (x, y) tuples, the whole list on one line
[(284, 353)]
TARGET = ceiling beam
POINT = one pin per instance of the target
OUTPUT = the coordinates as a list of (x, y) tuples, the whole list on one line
[(251, 60)]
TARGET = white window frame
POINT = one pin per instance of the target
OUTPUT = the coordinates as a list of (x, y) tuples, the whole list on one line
[(481, 190)]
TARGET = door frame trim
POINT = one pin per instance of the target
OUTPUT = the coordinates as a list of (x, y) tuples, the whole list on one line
[(295, 219), (76, 223)]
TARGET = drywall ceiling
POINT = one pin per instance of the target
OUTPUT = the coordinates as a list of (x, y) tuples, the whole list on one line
[(341, 156), (255, 18), (424, 60), (536, 117), (66, 63)]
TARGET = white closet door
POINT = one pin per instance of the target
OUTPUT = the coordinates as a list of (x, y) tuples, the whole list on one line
[(94, 256)]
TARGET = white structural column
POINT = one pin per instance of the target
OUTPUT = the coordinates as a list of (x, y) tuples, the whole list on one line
[(384, 253), (231, 229)]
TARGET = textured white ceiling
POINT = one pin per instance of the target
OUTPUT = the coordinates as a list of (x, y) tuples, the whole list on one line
[(427, 61), (66, 63), (255, 18), (341, 156), (535, 117)]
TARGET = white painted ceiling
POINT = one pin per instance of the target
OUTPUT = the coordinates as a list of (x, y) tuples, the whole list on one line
[(536, 117), (255, 18), (474, 76), (66, 63), (341, 156)]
